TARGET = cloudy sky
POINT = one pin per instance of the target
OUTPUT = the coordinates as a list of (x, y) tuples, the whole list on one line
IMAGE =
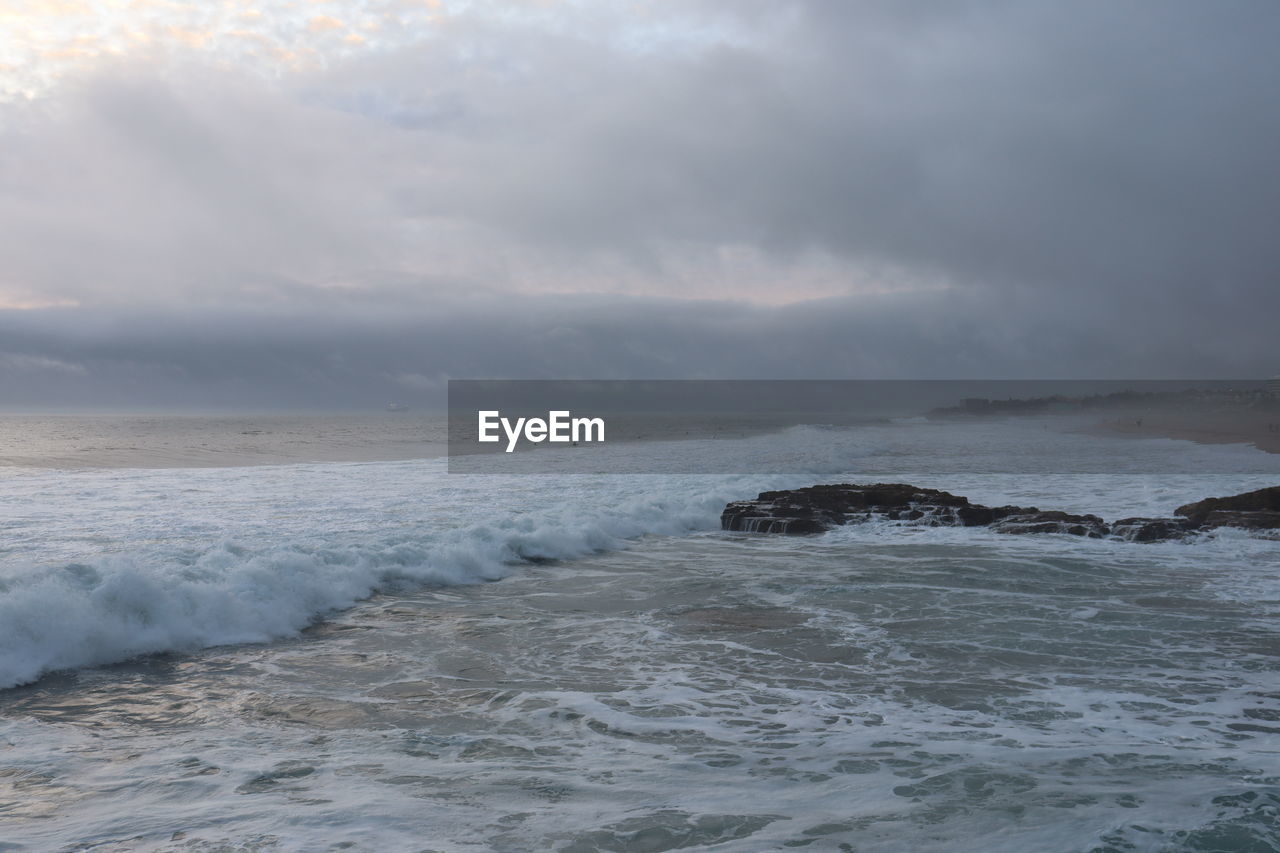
[(336, 203)]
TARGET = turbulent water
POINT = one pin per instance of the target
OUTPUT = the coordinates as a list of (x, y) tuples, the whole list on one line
[(334, 674)]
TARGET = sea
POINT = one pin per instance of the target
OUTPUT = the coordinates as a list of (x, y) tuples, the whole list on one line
[(302, 633)]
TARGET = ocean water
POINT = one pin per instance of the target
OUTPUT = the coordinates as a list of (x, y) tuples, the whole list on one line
[(218, 441), (382, 656)]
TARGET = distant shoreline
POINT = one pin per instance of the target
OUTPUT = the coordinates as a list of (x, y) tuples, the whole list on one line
[(1258, 428), (1243, 415), (148, 441)]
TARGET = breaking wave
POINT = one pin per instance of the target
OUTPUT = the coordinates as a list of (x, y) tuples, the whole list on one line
[(162, 598)]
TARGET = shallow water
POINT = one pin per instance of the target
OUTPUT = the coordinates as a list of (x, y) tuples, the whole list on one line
[(875, 688)]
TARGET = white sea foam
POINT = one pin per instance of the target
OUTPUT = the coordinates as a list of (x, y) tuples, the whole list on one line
[(280, 560)]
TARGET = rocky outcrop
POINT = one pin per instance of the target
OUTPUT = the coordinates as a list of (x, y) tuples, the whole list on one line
[(1256, 510), (818, 508), (1245, 520), (1052, 521), (1151, 529)]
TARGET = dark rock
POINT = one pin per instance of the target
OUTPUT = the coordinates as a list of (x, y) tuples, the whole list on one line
[(977, 515), (819, 508), (1152, 529), (1260, 520), (1261, 500), (1052, 521)]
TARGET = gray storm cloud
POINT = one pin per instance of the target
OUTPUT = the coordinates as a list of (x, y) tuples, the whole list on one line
[(821, 189)]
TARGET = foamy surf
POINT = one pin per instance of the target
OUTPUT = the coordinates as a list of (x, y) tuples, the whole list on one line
[(176, 594)]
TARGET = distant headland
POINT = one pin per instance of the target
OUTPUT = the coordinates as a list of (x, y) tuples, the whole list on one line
[(1218, 416)]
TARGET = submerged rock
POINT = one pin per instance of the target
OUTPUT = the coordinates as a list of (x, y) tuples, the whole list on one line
[(815, 509)]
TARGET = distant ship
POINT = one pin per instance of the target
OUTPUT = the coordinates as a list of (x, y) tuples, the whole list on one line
[(397, 407)]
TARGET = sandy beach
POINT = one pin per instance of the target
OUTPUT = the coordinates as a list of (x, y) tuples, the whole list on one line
[(1259, 428)]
